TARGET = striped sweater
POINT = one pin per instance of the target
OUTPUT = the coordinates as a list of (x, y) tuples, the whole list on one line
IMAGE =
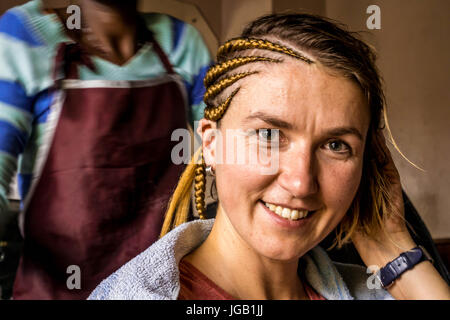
[(28, 43)]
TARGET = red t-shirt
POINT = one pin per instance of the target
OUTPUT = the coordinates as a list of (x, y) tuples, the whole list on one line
[(196, 286)]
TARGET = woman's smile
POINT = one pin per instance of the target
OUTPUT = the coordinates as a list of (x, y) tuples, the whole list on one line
[(286, 217)]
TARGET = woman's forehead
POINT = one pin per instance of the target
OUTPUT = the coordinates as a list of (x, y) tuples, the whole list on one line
[(300, 93)]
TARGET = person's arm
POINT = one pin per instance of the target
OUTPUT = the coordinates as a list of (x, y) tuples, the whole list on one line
[(423, 281), (16, 43)]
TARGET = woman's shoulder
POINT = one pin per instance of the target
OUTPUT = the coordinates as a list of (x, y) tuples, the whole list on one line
[(154, 274), (28, 41), (29, 24), (340, 281), (361, 282), (181, 41), (171, 33)]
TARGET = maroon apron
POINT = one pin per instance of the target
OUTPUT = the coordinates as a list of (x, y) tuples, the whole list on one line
[(106, 181)]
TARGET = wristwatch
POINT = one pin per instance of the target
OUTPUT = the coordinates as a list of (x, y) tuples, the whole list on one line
[(404, 262)]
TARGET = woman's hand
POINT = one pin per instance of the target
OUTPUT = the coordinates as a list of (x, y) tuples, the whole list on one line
[(422, 281)]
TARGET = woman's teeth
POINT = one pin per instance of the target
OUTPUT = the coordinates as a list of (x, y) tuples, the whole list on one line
[(286, 212)]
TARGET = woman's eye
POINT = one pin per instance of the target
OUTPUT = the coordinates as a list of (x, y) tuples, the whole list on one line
[(268, 135), (338, 146)]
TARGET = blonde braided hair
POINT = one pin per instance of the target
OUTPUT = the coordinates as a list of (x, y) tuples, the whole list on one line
[(239, 44), (218, 70), (216, 113), (199, 187), (217, 88)]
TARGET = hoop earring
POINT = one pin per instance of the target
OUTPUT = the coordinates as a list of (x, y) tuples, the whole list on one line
[(210, 171)]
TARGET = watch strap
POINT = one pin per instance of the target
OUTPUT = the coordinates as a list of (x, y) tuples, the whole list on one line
[(405, 261)]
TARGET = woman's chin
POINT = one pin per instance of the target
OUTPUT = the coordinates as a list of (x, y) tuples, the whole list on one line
[(283, 252)]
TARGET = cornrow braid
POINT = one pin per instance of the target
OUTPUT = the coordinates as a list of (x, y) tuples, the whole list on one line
[(199, 188), (218, 70), (215, 113), (239, 44), (217, 88)]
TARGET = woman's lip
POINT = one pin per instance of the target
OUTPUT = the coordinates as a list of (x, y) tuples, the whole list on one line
[(286, 223)]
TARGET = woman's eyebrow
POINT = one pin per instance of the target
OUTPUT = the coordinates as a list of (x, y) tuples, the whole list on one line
[(341, 131), (269, 119)]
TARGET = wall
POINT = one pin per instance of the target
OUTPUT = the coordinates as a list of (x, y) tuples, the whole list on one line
[(414, 52), (6, 4)]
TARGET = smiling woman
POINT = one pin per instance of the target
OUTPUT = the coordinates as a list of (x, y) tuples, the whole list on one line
[(307, 91)]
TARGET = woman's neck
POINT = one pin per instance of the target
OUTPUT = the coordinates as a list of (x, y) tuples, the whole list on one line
[(109, 28), (225, 258), (112, 26)]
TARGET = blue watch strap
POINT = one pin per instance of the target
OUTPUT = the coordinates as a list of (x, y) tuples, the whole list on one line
[(405, 261)]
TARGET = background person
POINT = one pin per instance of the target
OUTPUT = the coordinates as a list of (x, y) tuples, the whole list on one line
[(96, 195)]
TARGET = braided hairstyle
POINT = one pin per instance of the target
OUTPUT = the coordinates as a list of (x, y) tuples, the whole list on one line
[(272, 39)]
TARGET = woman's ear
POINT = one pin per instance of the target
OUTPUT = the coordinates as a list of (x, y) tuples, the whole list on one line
[(208, 131)]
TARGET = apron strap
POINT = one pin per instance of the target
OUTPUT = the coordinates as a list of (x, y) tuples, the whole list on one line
[(68, 56), (163, 57), (149, 37)]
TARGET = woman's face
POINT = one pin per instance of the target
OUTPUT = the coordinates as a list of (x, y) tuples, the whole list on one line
[(322, 122)]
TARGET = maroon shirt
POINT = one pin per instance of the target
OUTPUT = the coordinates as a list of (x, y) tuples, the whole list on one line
[(196, 286)]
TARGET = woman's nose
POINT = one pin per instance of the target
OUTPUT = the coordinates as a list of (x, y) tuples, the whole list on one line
[(298, 175)]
